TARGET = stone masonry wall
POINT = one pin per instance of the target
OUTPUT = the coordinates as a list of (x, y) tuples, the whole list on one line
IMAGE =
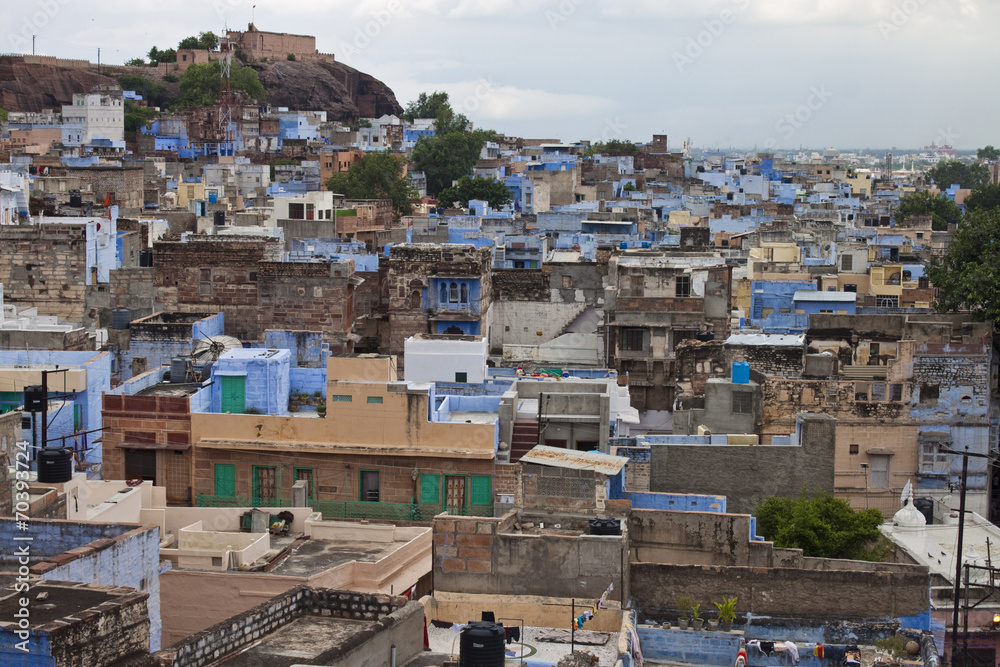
[(45, 266), (309, 296)]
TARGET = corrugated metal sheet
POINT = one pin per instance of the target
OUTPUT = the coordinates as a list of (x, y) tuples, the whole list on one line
[(558, 457)]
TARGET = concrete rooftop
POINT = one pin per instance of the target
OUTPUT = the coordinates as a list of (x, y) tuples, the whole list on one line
[(304, 640), (314, 556)]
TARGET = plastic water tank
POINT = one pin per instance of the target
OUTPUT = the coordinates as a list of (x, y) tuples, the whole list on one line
[(178, 369), (481, 645), (120, 318), (741, 372), (219, 218), (926, 507), (34, 398), (55, 465)]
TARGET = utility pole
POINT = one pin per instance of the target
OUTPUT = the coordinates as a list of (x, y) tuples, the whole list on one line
[(45, 404), (33, 45), (958, 551)]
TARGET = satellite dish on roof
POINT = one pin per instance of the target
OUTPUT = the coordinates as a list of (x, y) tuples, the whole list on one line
[(208, 350)]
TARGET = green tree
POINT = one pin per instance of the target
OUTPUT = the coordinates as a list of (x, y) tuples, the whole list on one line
[(157, 56), (982, 198), (612, 147), (941, 209), (492, 191), (201, 83), (968, 276), (137, 116), (955, 172), (445, 158), (822, 526), (3, 114), (152, 92), (426, 106), (206, 40), (988, 153), (376, 176), (135, 62)]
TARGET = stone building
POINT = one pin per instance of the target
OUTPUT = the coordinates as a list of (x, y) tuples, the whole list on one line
[(655, 301), (438, 289), (259, 45)]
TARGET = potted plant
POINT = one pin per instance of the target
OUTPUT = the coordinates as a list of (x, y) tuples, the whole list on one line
[(727, 613), (696, 618), (321, 409), (684, 604)]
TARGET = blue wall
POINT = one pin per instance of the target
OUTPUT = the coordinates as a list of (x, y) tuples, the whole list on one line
[(268, 380), (677, 502)]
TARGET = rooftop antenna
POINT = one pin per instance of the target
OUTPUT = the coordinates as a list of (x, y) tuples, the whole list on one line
[(225, 94)]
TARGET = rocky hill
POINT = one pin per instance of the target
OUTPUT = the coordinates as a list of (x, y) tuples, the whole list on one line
[(36, 83)]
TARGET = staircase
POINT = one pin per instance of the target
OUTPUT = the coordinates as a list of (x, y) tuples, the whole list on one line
[(524, 438)]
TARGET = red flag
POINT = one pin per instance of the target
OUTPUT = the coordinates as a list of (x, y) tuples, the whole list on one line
[(107, 200)]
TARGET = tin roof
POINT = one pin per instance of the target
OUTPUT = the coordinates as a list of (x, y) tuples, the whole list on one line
[(558, 457)]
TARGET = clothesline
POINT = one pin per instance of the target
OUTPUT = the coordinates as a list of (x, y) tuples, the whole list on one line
[(589, 614)]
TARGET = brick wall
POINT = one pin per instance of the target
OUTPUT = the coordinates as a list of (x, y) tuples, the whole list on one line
[(486, 556), (231, 635), (559, 489), (768, 360), (310, 296), (637, 470), (520, 285), (210, 275), (746, 475), (882, 591), (165, 420), (45, 266)]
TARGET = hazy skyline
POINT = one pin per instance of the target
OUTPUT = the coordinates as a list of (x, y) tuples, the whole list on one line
[(723, 72)]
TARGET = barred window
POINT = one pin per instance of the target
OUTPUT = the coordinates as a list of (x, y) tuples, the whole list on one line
[(742, 402)]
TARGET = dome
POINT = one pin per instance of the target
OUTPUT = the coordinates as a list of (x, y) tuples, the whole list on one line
[(909, 516)]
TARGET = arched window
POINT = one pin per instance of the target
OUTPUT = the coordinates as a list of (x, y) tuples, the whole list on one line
[(454, 293), (465, 293), (415, 299), (444, 293)]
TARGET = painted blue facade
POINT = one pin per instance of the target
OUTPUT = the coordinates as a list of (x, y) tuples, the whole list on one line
[(813, 307), (159, 351), (775, 296), (133, 562), (680, 502), (83, 409), (267, 379)]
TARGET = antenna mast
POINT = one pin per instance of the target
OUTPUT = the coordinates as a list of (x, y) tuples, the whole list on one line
[(226, 98)]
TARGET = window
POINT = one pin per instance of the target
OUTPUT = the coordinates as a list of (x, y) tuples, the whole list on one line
[(465, 294), (849, 287), (140, 464), (296, 212), (879, 471), (854, 449), (340, 398), (637, 285), (453, 293), (932, 459), (861, 390), (374, 400), (682, 286), (878, 391), (929, 393), (742, 402), (368, 486), (896, 393), (430, 488), (461, 377), (631, 340), (415, 299), (567, 282), (846, 262)]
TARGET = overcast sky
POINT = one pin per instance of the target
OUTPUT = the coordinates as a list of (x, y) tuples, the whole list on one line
[(785, 73)]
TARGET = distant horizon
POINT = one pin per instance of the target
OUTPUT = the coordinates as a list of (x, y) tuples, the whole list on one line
[(722, 72)]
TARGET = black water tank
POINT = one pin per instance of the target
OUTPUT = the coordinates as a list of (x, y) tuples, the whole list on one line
[(55, 465), (146, 258), (220, 218), (34, 398), (926, 507), (605, 527), (481, 645), (120, 318), (75, 200)]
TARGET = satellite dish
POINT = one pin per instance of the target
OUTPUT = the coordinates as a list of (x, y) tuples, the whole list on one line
[(208, 350)]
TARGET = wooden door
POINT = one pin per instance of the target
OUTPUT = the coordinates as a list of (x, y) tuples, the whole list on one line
[(234, 394), (178, 481), (454, 498), (265, 485)]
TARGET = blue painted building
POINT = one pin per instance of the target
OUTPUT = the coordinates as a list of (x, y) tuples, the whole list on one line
[(811, 302), (251, 381)]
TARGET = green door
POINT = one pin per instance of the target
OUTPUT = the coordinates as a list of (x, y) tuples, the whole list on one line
[(234, 394), (482, 490), (225, 480)]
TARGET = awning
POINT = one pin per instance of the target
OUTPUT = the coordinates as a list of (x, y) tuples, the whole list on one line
[(354, 450)]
